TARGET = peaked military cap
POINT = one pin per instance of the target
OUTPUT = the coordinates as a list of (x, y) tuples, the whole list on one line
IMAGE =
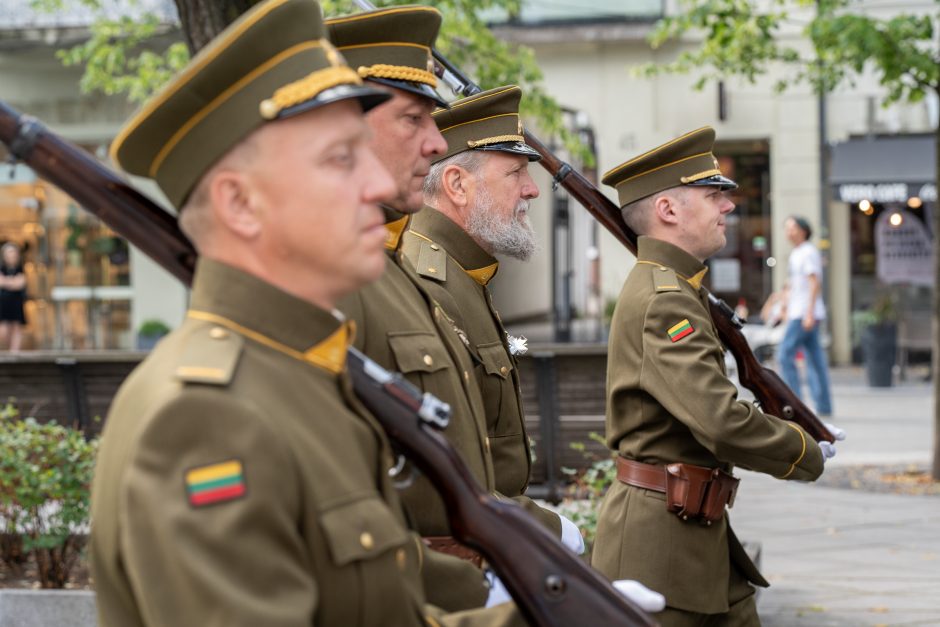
[(391, 46), (271, 63), (488, 120), (687, 160)]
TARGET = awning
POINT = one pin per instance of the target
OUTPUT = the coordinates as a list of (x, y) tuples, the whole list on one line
[(885, 169)]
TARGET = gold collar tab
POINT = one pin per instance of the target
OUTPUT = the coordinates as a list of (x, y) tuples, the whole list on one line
[(394, 233), (328, 354), (483, 275)]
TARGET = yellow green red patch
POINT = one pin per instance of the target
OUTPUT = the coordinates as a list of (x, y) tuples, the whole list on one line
[(680, 330), (215, 483)]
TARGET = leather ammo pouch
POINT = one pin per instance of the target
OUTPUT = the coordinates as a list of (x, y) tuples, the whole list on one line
[(699, 493)]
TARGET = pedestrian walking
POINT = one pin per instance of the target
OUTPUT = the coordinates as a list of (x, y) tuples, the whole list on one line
[(805, 312)]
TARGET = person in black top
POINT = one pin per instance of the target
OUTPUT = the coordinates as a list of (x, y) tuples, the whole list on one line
[(12, 295)]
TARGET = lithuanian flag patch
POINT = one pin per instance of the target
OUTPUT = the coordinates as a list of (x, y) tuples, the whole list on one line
[(215, 483), (680, 330)]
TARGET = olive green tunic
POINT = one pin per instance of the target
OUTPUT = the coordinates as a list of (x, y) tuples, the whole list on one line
[(313, 533), (455, 272), (402, 328), (671, 401)]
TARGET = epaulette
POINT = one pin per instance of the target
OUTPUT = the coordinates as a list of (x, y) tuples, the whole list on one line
[(665, 279), (432, 261), (210, 356)]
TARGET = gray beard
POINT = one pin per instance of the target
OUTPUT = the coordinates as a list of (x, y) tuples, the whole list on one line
[(513, 237)]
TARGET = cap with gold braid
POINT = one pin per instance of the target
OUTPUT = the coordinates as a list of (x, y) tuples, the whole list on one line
[(687, 160), (272, 63), (488, 120), (391, 46)]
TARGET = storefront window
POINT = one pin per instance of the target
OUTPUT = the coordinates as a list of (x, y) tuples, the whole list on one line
[(77, 269), (739, 272)]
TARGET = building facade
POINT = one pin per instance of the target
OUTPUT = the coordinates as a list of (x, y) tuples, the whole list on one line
[(88, 289)]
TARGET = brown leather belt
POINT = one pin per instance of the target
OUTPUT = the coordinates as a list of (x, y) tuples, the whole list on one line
[(692, 492), (447, 544), (641, 475)]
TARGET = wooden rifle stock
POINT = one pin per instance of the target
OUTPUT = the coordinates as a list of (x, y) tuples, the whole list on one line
[(551, 585), (133, 216)]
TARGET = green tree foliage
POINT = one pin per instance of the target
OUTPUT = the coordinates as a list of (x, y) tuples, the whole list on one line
[(135, 55), (744, 38)]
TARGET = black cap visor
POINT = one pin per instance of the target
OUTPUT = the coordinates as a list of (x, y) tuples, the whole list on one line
[(516, 148), (368, 98), (715, 181), (415, 88)]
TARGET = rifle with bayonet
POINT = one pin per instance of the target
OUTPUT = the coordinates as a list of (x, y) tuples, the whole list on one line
[(551, 586), (772, 394)]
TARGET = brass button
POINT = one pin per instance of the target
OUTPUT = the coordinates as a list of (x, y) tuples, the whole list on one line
[(486, 443), (432, 270), (428, 360), (662, 268), (402, 558), (435, 247), (218, 333), (466, 375), (366, 540), (504, 371)]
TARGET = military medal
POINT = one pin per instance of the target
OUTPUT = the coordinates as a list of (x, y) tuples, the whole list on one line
[(517, 345)]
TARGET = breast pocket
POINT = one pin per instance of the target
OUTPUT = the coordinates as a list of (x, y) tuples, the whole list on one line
[(418, 354), (364, 537), (496, 384)]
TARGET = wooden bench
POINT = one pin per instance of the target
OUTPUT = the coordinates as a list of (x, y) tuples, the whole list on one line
[(562, 389), (72, 388)]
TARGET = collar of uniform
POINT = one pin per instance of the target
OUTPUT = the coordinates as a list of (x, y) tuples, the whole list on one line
[(434, 226), (656, 251), (261, 312), (395, 224)]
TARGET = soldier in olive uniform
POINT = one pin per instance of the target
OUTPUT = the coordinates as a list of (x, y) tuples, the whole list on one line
[(478, 193), (238, 481), (673, 416), (399, 323)]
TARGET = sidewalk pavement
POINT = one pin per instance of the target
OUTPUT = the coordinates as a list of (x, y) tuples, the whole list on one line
[(840, 557)]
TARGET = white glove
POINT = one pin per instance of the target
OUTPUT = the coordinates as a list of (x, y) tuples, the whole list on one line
[(836, 432), (828, 450), (648, 600), (498, 592), (571, 536)]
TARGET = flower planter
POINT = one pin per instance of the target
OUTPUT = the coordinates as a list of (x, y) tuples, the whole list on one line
[(880, 346), (47, 608)]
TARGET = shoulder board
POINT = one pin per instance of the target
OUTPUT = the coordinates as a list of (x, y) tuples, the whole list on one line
[(432, 261), (665, 279), (210, 356)]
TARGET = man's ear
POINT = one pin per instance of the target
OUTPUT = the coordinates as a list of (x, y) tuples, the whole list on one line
[(665, 208), (234, 205), (456, 183)]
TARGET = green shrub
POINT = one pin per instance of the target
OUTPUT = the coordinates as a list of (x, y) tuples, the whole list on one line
[(45, 481), (584, 495), (153, 328)]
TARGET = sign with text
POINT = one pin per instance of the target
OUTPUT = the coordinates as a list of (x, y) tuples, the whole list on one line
[(904, 249)]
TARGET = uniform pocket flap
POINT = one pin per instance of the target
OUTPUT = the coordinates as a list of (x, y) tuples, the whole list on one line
[(417, 351), (361, 530), (495, 359)]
